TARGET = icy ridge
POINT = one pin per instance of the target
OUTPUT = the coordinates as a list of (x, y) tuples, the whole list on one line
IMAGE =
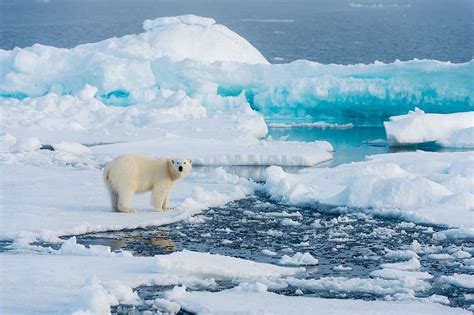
[(223, 67)]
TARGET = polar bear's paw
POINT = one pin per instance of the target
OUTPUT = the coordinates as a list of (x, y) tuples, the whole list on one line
[(126, 209)]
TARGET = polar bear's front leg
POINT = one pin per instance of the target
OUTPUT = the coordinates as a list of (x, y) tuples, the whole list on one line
[(158, 196), (165, 202)]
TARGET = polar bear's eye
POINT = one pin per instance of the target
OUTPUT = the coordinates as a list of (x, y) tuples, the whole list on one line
[(184, 162)]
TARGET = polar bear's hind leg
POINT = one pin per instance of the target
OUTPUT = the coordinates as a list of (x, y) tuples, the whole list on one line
[(125, 201), (113, 199)]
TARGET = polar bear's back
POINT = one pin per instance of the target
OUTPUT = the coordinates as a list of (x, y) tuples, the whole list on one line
[(133, 170)]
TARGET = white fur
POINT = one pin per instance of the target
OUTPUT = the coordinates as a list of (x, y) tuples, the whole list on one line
[(131, 173)]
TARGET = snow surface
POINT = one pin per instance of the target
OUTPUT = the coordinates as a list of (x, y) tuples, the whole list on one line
[(237, 301), (416, 186), (219, 267), (451, 130), (94, 283), (43, 203)]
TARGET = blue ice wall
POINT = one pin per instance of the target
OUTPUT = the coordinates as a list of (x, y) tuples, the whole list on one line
[(298, 91)]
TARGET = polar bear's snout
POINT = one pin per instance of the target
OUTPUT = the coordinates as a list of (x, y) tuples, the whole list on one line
[(180, 168)]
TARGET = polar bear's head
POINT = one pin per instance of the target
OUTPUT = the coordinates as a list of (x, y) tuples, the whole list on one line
[(180, 167)]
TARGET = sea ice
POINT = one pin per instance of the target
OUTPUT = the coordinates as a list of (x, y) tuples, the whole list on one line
[(418, 127), (417, 186), (251, 302), (299, 259)]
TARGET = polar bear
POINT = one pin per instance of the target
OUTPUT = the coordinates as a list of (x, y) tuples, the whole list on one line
[(132, 173)]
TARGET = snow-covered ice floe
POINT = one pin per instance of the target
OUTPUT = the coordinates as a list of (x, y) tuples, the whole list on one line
[(95, 283), (257, 300), (448, 130), (424, 187), (46, 202)]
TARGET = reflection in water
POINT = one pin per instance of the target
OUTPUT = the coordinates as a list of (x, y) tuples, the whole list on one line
[(156, 242), (162, 239)]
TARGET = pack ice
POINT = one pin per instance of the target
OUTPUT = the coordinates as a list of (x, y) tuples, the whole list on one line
[(149, 93)]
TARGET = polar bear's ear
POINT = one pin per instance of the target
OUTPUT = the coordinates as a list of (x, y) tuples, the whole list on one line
[(172, 161), (190, 161)]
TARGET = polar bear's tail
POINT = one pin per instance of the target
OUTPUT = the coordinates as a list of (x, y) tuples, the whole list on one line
[(106, 173), (113, 194)]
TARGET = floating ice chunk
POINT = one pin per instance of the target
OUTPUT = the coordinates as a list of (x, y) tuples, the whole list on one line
[(466, 233), (299, 259), (377, 286), (401, 274), (401, 254), (342, 268), (268, 252), (442, 256), (71, 147), (289, 222), (409, 265), (462, 138), (441, 299), (275, 233), (70, 247), (26, 145), (241, 302), (418, 127), (166, 306), (317, 224), (459, 280), (218, 266), (461, 254)]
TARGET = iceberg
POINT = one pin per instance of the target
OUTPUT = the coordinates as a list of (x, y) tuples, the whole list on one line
[(222, 68), (450, 130)]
